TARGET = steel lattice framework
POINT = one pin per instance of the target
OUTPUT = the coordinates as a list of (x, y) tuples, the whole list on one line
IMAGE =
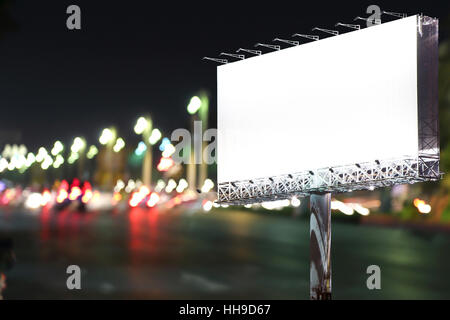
[(363, 176)]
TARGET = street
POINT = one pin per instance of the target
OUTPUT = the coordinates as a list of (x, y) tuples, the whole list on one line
[(222, 254)]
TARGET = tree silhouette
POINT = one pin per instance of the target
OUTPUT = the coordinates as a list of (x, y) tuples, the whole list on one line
[(7, 23)]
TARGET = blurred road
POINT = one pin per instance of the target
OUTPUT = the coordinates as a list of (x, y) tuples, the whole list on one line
[(146, 254)]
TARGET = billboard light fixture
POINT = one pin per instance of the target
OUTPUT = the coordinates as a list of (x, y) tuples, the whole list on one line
[(223, 61), (395, 14), (348, 25), (256, 52), (291, 42), (233, 55), (271, 46), (332, 32), (375, 21), (307, 36)]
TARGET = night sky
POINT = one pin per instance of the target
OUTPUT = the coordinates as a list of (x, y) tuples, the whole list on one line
[(133, 57)]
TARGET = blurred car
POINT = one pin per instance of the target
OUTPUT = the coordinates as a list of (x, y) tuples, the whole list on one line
[(75, 196)]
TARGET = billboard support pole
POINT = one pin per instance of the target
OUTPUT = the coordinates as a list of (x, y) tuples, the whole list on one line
[(320, 245)]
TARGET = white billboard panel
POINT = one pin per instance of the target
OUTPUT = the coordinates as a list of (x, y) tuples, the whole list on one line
[(338, 101)]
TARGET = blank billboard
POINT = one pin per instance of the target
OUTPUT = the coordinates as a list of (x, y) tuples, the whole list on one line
[(338, 101)]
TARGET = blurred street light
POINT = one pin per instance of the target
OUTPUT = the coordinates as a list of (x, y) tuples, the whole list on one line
[(165, 164), (120, 144), (295, 202), (48, 161), (422, 206), (165, 141), (342, 207), (171, 185), (153, 200), (168, 150), (107, 136), (131, 185), (141, 125), (182, 185), (207, 185), (92, 152), (73, 157), (3, 164), (42, 152), (30, 159), (194, 105), (78, 145), (7, 151), (207, 205), (20, 162), (58, 147), (11, 166), (59, 160), (155, 136), (22, 150), (141, 148), (119, 185), (160, 185)]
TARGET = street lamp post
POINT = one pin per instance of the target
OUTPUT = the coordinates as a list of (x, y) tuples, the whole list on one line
[(144, 126), (198, 108), (79, 147), (203, 115), (108, 139)]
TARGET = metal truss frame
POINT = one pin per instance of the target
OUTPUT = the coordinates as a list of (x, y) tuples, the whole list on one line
[(427, 88), (362, 176)]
